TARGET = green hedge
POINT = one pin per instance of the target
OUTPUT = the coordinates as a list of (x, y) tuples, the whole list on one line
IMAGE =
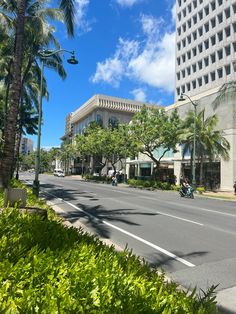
[(153, 184)]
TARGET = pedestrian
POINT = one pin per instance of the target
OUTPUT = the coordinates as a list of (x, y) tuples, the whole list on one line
[(114, 179), (234, 186)]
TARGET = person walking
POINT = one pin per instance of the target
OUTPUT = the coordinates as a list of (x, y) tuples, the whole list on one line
[(234, 186)]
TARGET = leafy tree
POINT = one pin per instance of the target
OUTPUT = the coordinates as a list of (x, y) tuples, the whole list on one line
[(210, 143), (154, 129), (21, 6)]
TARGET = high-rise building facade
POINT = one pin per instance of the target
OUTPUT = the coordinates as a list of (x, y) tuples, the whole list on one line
[(26, 146), (205, 45)]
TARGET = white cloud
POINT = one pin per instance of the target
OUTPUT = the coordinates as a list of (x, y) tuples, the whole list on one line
[(112, 69), (80, 11), (155, 66), (139, 94), (127, 3), (151, 62), (173, 13)]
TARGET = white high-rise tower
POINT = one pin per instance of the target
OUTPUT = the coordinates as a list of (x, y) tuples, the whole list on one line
[(205, 45)]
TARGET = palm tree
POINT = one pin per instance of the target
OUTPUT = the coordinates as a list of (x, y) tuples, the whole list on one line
[(22, 6), (210, 143)]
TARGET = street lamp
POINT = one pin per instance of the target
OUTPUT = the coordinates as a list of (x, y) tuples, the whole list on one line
[(181, 98), (44, 54)]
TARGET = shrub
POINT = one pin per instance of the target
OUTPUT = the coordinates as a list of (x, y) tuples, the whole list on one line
[(48, 268), (200, 189)]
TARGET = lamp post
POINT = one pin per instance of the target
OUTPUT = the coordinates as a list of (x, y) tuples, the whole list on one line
[(44, 54), (194, 138)]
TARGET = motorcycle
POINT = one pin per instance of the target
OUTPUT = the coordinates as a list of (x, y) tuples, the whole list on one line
[(187, 192)]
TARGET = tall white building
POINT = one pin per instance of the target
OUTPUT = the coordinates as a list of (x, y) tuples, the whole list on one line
[(26, 146), (205, 44)]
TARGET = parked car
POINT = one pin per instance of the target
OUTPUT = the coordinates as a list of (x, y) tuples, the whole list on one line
[(58, 173)]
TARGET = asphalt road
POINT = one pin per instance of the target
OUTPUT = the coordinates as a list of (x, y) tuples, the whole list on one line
[(192, 240)]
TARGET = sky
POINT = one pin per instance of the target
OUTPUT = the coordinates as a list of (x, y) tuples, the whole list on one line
[(125, 48)]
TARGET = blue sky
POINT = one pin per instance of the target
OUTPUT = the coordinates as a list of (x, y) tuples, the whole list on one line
[(125, 48)]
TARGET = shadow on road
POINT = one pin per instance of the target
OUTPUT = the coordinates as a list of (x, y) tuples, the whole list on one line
[(159, 260)]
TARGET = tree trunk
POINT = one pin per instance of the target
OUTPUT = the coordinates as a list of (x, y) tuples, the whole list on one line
[(11, 122)]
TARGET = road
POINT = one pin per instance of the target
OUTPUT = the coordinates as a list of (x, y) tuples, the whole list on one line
[(192, 240)]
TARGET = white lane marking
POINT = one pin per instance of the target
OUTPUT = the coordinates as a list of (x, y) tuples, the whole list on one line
[(158, 248), (176, 217), (204, 209)]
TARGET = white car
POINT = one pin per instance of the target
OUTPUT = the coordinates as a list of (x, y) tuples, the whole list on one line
[(58, 173)]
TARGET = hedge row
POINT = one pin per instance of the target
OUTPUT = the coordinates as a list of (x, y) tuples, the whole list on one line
[(153, 184)]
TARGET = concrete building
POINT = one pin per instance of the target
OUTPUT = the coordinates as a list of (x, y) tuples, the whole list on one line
[(205, 60), (205, 44), (103, 109), (26, 146)]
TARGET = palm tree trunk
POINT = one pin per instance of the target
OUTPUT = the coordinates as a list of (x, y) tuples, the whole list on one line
[(11, 122)]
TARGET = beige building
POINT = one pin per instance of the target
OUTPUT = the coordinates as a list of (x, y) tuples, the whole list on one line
[(103, 109)]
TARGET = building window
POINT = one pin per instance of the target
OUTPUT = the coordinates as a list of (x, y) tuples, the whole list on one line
[(213, 76), (195, 19), (184, 42), (234, 27), (194, 67), (199, 81), (194, 35), (213, 58), (200, 31), (194, 50), (189, 8), (188, 87), (200, 48), (113, 122), (213, 5), (220, 18), (227, 31), (194, 84), (234, 8), (220, 73), (213, 22), (220, 36), (206, 27), (200, 64), (184, 27), (200, 15), (206, 9), (189, 39), (183, 88), (189, 55), (183, 73), (189, 23), (220, 54), (188, 70), (220, 2), (227, 50), (227, 69), (227, 13), (194, 4), (206, 44), (178, 61), (213, 40), (179, 31), (183, 58), (206, 80), (234, 46), (206, 61), (178, 75)]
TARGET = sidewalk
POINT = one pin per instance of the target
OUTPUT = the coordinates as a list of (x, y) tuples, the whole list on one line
[(225, 195)]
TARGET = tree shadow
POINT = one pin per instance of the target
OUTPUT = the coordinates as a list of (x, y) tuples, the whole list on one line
[(94, 217), (165, 262)]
